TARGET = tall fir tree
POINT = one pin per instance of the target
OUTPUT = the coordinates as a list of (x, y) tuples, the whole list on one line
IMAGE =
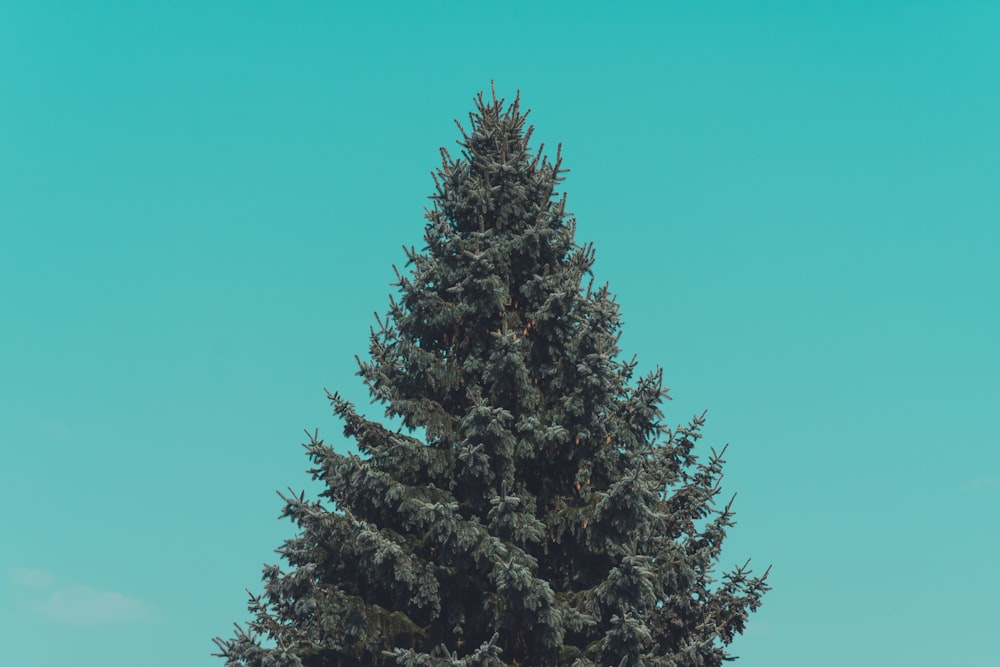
[(547, 517)]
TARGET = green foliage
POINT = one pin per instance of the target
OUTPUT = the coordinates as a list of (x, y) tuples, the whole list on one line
[(548, 517)]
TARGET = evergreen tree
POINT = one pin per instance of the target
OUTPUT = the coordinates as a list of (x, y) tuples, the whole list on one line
[(546, 517)]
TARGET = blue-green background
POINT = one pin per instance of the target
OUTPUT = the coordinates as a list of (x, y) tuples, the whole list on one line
[(201, 203)]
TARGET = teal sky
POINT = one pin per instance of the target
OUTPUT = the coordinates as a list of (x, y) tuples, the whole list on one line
[(201, 204)]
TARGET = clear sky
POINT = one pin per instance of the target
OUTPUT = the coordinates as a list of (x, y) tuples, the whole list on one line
[(201, 204)]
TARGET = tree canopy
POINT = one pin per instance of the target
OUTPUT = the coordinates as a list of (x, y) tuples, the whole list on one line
[(546, 515)]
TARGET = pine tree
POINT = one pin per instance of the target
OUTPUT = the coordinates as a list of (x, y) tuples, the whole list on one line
[(547, 516)]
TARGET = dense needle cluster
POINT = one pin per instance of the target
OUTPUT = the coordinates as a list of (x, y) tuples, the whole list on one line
[(547, 517)]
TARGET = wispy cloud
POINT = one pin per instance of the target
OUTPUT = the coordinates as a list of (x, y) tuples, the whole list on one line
[(56, 429), (28, 577), (989, 482), (83, 605), (756, 628), (79, 605)]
